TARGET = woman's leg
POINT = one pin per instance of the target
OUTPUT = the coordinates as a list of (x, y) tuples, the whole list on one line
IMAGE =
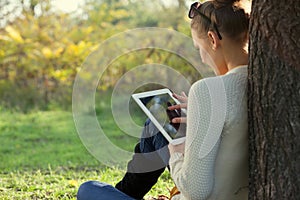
[(154, 146), (93, 190), (148, 163)]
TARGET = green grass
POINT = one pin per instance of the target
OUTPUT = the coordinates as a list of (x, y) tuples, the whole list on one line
[(40, 139), (42, 156), (62, 183)]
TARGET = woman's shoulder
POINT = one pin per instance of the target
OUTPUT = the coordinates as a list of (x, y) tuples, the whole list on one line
[(207, 83), (239, 74), (198, 86), (236, 76), (203, 82), (229, 83)]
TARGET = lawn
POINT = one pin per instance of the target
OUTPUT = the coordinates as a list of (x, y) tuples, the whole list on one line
[(42, 156), (62, 183)]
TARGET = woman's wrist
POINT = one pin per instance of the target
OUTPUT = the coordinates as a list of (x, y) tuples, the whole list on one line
[(177, 148)]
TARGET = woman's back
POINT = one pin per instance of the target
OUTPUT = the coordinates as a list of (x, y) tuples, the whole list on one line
[(231, 167), (223, 172)]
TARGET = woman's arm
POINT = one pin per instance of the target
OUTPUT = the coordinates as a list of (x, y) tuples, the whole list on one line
[(194, 176)]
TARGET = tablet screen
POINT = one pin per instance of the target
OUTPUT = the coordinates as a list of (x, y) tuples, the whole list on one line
[(157, 105)]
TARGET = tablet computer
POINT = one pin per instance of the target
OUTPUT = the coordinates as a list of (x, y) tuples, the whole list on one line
[(154, 104)]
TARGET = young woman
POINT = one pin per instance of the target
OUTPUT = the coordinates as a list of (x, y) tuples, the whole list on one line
[(220, 32)]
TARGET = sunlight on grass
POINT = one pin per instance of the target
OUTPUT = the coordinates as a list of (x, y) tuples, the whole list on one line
[(38, 139), (42, 156), (63, 183)]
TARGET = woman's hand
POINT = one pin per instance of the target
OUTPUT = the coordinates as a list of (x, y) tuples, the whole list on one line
[(176, 148), (183, 99), (160, 197)]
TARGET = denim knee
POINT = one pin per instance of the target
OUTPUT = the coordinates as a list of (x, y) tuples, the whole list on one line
[(94, 190), (86, 189)]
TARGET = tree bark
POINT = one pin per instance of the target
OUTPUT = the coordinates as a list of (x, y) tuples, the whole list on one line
[(274, 100)]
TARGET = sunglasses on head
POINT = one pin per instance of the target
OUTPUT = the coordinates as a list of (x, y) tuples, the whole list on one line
[(194, 10)]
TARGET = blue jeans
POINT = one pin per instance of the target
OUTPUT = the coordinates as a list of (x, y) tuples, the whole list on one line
[(139, 177), (94, 190)]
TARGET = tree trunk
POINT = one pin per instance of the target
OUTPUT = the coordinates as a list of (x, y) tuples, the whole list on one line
[(274, 100)]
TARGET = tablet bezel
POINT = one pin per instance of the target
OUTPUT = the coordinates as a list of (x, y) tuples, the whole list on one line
[(137, 97)]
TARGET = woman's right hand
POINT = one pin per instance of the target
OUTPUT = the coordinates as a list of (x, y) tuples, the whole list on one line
[(183, 99)]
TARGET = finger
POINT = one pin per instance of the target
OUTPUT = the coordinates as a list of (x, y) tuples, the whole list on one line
[(181, 98), (174, 107), (177, 106), (183, 94), (179, 120), (175, 95)]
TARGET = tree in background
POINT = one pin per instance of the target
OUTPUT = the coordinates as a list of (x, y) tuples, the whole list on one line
[(39, 57), (274, 100), (42, 49)]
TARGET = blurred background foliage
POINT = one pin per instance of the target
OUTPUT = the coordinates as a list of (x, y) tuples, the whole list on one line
[(42, 49)]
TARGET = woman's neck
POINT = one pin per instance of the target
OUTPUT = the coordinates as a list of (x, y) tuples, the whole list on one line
[(241, 59), (235, 58)]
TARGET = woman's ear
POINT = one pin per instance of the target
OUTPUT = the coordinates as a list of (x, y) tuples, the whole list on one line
[(213, 39)]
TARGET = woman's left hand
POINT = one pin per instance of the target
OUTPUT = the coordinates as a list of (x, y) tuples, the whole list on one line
[(160, 197), (176, 148)]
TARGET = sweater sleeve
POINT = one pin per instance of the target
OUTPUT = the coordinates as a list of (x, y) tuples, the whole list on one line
[(194, 176)]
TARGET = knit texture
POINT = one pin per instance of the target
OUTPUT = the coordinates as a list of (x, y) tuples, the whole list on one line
[(223, 172)]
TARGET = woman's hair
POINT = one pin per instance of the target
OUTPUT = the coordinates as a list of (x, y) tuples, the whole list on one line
[(230, 19)]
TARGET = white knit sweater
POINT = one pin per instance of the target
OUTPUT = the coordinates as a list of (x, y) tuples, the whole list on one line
[(223, 173)]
